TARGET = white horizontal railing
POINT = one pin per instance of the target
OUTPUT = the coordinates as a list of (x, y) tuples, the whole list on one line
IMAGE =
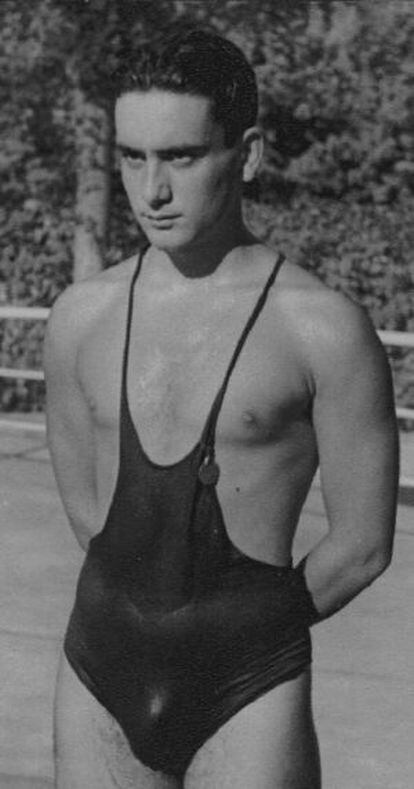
[(15, 372), (13, 312), (388, 338), (399, 339), (25, 313), (402, 339)]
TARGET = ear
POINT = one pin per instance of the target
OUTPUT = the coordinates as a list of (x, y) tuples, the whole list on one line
[(252, 148)]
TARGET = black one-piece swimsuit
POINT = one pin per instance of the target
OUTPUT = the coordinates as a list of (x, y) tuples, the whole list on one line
[(173, 629)]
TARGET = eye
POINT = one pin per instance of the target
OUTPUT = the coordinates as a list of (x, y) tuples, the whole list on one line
[(179, 158), (132, 158)]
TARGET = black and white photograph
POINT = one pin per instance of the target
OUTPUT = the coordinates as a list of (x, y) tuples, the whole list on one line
[(206, 394)]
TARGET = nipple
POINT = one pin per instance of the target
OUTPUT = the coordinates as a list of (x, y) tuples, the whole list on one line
[(249, 419)]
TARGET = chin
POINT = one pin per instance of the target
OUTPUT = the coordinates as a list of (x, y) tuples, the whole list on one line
[(170, 241), (163, 243)]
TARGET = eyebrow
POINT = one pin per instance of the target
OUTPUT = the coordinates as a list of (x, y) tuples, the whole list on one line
[(194, 150)]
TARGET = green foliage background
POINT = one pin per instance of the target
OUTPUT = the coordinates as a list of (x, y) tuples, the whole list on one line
[(337, 106)]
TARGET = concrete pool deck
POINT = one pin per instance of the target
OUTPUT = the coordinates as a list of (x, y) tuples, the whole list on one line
[(363, 657)]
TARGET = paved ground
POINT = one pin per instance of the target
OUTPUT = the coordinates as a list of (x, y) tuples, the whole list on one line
[(363, 687)]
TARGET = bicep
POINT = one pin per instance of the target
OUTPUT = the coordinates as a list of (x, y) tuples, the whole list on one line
[(357, 437)]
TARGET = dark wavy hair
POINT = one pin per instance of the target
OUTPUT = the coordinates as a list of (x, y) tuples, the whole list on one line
[(195, 61)]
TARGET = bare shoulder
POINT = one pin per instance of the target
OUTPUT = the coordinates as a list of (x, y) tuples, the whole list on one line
[(82, 304), (83, 301), (328, 328)]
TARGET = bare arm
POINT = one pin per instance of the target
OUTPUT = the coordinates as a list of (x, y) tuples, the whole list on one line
[(69, 423), (357, 439)]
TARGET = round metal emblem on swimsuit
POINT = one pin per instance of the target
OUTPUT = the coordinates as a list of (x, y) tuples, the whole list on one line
[(209, 472)]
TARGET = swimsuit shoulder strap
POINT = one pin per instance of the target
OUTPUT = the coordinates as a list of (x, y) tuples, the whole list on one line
[(129, 323), (208, 437)]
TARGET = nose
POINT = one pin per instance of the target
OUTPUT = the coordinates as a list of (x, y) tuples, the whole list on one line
[(156, 187)]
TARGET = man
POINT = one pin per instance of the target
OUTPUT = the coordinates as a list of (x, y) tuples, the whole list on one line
[(192, 392)]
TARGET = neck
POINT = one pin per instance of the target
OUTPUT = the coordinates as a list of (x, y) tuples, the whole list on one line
[(202, 259)]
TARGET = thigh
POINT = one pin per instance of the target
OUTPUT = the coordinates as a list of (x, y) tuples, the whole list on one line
[(90, 748), (270, 744)]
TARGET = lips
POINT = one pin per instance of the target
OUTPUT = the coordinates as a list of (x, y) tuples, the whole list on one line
[(157, 219)]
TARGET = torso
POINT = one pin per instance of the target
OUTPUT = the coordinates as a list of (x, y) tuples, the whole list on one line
[(181, 344)]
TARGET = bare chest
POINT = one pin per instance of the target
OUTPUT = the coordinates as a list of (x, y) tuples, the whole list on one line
[(179, 357)]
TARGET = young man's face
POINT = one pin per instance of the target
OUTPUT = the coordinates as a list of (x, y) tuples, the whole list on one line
[(183, 184)]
